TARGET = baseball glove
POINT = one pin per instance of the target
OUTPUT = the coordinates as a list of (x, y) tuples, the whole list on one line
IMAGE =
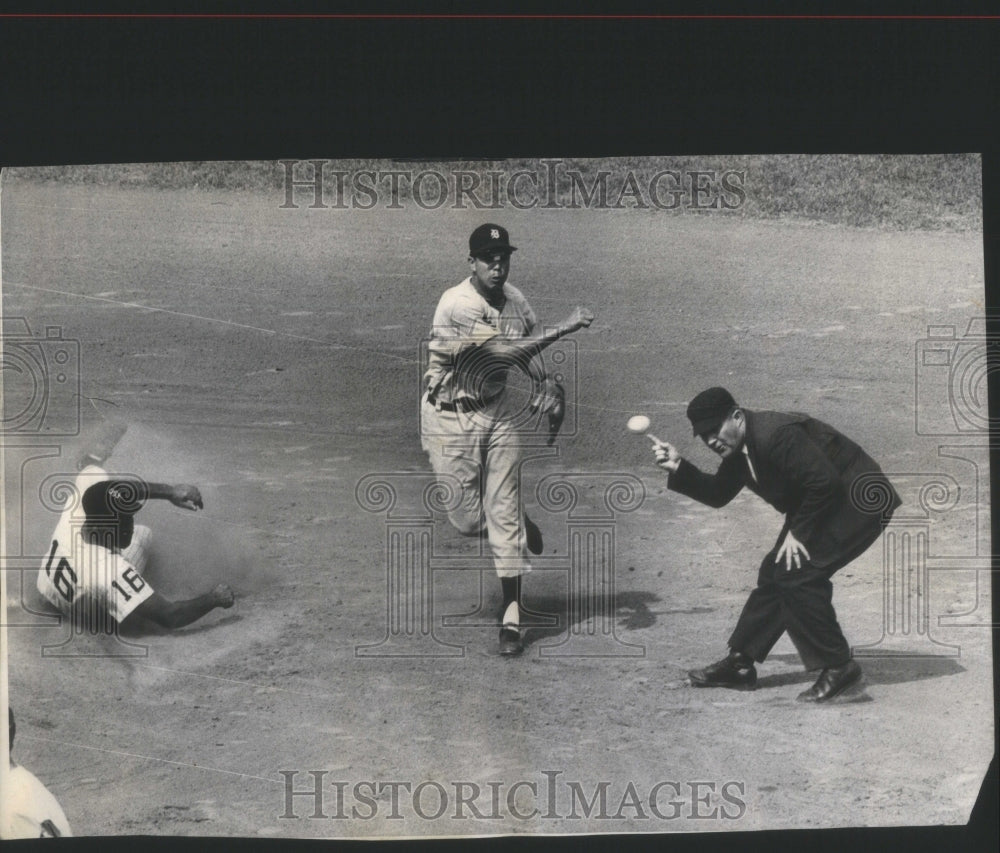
[(551, 401)]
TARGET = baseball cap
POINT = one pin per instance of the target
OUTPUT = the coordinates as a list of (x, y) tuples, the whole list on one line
[(488, 238), (709, 409)]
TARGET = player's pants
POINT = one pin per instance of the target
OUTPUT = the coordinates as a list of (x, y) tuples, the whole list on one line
[(479, 454), (799, 601)]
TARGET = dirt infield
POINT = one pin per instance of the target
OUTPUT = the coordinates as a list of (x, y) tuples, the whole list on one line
[(272, 357)]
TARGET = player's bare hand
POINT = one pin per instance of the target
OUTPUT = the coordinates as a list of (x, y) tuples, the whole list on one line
[(581, 318), (793, 551), (666, 455), (224, 596), (187, 497)]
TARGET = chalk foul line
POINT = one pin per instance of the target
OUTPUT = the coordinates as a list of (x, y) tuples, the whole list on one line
[(151, 758), (188, 316)]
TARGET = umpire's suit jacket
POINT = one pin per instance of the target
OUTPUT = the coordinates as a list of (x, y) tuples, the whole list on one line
[(809, 471)]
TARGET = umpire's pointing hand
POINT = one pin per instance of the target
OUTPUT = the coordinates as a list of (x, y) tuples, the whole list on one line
[(666, 455)]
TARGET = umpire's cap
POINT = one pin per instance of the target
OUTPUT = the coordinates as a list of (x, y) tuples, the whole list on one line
[(709, 409), (489, 238)]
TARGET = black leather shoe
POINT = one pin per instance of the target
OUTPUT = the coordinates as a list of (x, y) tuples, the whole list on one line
[(532, 536), (736, 671), (832, 681), (510, 641)]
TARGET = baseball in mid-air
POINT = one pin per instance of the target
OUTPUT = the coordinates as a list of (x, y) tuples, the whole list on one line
[(638, 424)]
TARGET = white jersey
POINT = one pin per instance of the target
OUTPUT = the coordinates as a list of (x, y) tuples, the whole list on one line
[(80, 576), (465, 319), (29, 809)]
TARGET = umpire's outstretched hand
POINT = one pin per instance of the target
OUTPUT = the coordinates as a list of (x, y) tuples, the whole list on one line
[(666, 455)]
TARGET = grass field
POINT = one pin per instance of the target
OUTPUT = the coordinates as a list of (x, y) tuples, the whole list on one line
[(939, 192), (272, 356)]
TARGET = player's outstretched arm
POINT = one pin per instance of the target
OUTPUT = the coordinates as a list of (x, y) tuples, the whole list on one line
[(176, 614), (182, 495), (135, 492), (524, 349)]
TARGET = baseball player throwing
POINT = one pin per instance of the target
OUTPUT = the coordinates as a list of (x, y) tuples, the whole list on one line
[(470, 422), (97, 554)]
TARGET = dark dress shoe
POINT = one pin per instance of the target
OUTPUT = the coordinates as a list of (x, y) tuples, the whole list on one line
[(736, 671), (532, 536), (510, 641), (832, 681)]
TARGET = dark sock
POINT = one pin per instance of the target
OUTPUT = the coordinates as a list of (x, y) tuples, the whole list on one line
[(740, 659), (511, 588)]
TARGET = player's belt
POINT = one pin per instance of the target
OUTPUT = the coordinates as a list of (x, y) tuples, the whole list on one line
[(462, 404)]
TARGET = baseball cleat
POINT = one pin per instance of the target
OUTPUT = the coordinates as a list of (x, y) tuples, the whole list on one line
[(100, 443), (735, 671), (832, 681), (511, 643)]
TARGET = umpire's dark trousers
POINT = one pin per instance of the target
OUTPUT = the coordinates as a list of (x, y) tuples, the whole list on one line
[(799, 601)]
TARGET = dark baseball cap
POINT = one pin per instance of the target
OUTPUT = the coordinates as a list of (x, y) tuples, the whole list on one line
[(709, 409), (489, 238)]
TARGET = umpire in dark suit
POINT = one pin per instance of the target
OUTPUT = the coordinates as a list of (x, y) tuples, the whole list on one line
[(824, 485)]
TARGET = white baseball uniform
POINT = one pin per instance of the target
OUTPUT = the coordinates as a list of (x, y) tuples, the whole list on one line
[(29, 809), (469, 420), (84, 577)]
